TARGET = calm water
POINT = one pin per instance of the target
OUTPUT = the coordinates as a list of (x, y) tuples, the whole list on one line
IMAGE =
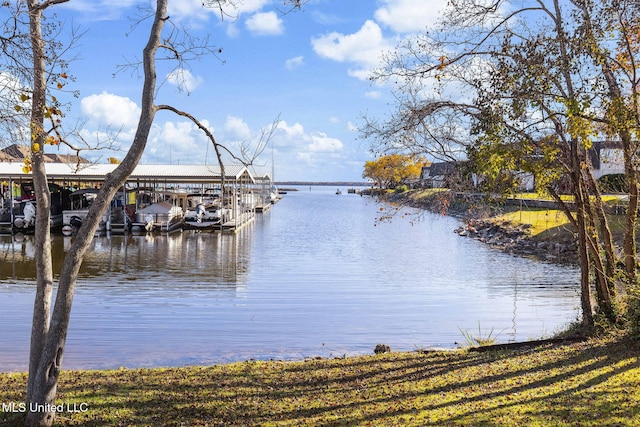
[(315, 276)]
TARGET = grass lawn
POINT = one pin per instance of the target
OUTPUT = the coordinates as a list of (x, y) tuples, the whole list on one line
[(606, 198), (593, 383), (540, 219)]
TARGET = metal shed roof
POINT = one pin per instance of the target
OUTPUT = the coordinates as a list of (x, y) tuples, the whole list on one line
[(97, 172)]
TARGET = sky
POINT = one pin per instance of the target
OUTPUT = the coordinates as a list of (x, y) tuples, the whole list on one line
[(306, 71)]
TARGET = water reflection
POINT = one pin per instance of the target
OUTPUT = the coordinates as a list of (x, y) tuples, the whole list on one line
[(180, 258)]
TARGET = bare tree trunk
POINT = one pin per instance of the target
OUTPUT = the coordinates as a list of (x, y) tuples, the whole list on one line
[(583, 238), (44, 269), (585, 268), (44, 385), (605, 302), (578, 221), (629, 245), (605, 233)]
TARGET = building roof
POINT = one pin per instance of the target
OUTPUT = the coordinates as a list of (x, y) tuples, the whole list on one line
[(4, 157), (19, 152), (97, 172)]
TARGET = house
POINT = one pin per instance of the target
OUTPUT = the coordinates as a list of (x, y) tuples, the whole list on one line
[(18, 152), (606, 158), (447, 174), (436, 174)]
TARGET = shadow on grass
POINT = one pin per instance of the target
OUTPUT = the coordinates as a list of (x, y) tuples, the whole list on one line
[(593, 383)]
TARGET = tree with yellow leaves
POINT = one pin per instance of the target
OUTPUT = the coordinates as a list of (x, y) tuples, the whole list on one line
[(394, 169)]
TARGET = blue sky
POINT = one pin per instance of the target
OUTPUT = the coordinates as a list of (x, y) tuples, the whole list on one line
[(308, 68)]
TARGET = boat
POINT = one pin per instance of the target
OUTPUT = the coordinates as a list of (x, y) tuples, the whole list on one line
[(163, 217), (24, 218), (18, 214), (274, 194), (204, 211), (22, 210), (338, 191), (209, 198), (202, 219), (81, 201)]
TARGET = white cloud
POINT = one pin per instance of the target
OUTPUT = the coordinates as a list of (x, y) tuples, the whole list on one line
[(292, 63), (195, 12), (100, 10), (240, 8), (235, 128), (365, 47), (251, 6), (373, 94), (232, 30), (321, 143), (295, 131), (407, 16), (107, 109), (298, 153), (265, 24), (179, 134), (178, 143), (362, 48), (184, 80), (304, 154), (182, 8)]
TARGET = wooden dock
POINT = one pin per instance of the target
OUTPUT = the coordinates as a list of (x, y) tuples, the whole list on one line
[(263, 208), (236, 224)]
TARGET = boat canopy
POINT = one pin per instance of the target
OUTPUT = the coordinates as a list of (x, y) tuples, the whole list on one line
[(165, 173)]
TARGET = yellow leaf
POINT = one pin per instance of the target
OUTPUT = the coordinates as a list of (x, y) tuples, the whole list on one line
[(51, 140)]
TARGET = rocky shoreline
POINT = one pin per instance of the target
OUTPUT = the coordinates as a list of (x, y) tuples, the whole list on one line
[(478, 223), (515, 239)]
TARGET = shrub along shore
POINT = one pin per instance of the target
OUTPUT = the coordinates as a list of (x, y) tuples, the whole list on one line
[(585, 383)]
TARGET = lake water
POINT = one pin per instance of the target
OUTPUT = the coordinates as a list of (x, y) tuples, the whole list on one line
[(317, 275)]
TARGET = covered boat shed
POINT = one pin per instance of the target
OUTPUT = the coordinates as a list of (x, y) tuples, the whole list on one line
[(95, 173), (238, 181)]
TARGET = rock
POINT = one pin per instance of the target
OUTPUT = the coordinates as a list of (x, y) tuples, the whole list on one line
[(382, 348)]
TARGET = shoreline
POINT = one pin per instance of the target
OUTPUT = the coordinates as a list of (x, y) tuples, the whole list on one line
[(479, 221), (553, 384)]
